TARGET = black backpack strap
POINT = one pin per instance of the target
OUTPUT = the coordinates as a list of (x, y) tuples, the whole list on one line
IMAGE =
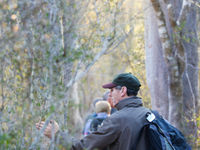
[(96, 122)]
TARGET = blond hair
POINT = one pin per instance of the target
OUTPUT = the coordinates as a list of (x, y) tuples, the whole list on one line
[(102, 106)]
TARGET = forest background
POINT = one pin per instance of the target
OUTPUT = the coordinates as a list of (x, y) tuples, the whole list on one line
[(55, 56)]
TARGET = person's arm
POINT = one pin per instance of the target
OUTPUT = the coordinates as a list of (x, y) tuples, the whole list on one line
[(104, 136), (101, 138)]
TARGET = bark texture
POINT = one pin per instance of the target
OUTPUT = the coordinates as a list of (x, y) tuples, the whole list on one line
[(156, 69)]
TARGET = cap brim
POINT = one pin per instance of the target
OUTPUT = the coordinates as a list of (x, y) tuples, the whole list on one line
[(109, 86)]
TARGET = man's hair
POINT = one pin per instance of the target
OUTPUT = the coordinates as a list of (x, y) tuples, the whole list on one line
[(129, 92), (102, 106), (95, 101), (105, 96)]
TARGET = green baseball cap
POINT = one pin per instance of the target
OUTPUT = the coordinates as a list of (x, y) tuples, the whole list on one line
[(124, 79)]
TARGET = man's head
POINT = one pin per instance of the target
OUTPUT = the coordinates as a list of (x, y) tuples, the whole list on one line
[(123, 86), (94, 102), (106, 97)]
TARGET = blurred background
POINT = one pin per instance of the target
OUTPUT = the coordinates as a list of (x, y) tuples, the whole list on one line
[(55, 56)]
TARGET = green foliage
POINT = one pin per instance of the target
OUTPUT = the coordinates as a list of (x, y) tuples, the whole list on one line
[(5, 140), (43, 44)]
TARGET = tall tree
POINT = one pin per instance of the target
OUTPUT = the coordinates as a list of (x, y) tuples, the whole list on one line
[(172, 61)]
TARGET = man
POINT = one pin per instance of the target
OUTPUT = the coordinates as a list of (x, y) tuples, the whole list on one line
[(107, 98), (122, 130)]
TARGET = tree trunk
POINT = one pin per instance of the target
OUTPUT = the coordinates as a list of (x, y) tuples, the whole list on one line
[(156, 69), (176, 35)]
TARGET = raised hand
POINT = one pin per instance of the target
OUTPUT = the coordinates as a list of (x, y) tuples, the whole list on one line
[(51, 128)]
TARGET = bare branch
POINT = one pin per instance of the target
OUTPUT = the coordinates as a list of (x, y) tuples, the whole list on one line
[(81, 74), (195, 2), (183, 12)]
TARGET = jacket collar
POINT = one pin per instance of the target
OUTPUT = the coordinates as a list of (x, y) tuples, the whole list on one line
[(101, 115), (129, 102)]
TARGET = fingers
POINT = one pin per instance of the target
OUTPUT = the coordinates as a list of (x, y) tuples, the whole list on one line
[(48, 131), (39, 125), (55, 126), (52, 126), (54, 123)]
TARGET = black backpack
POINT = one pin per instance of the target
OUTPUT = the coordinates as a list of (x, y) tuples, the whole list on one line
[(96, 122), (161, 135)]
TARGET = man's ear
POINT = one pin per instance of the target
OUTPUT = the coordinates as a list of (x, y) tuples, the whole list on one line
[(123, 91)]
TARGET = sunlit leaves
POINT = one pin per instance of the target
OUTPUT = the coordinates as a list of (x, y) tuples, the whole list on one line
[(44, 45), (13, 17)]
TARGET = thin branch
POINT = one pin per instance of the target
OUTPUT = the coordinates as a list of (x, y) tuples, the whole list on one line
[(116, 44), (182, 14), (81, 74), (2, 88), (196, 3)]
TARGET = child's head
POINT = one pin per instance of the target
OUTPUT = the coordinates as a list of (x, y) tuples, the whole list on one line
[(102, 106)]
